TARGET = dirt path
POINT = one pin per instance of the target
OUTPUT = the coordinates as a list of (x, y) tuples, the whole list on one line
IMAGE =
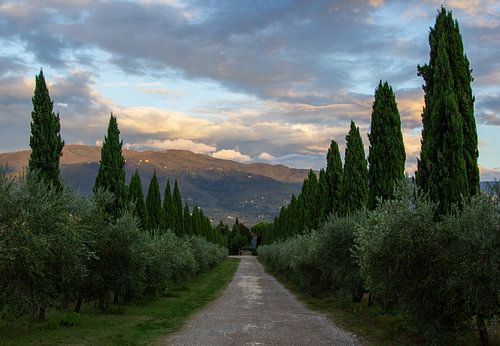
[(257, 310)]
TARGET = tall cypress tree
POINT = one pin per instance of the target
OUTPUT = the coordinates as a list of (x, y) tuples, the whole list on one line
[(111, 174), (177, 210), (333, 178), (355, 182), (323, 195), (45, 140), (136, 196), (196, 221), (168, 207), (447, 167), (188, 225), (310, 198), (387, 152), (153, 205)]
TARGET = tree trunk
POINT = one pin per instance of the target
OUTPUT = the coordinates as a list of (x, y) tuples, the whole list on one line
[(371, 299), (78, 305), (100, 302), (41, 313), (483, 332)]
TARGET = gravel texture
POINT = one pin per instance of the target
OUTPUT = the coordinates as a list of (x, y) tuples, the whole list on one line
[(255, 309)]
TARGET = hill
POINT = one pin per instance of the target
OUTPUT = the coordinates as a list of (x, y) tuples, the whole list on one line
[(224, 189)]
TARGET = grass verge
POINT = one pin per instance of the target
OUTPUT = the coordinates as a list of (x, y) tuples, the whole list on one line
[(136, 324), (369, 323)]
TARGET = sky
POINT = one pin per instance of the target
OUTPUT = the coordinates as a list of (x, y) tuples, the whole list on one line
[(246, 80)]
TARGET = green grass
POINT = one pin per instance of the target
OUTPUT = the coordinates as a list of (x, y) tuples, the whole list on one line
[(131, 325), (369, 323)]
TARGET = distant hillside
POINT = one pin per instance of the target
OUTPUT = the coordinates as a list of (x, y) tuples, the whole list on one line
[(224, 189), (487, 185)]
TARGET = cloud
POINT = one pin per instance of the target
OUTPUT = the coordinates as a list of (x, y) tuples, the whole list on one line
[(290, 75), (179, 144), (488, 109), (489, 174), (231, 154), (266, 156)]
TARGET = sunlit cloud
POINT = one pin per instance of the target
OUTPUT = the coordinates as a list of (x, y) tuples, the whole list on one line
[(290, 76), (266, 156), (166, 144), (231, 154)]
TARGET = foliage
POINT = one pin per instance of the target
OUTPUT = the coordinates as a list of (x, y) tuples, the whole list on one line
[(56, 248), (45, 140), (136, 196), (168, 206), (263, 230), (438, 273), (178, 226), (355, 182), (41, 249), (111, 174), (447, 168), (333, 179), (319, 261), (70, 319), (154, 211), (144, 322), (239, 238), (338, 267), (387, 152)]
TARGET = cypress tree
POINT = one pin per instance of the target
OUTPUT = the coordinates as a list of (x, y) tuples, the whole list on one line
[(177, 210), (462, 78), (333, 178), (188, 226), (195, 221), (45, 140), (387, 152), (447, 168), (323, 195), (168, 207), (310, 197), (153, 205), (137, 197), (355, 181), (111, 174)]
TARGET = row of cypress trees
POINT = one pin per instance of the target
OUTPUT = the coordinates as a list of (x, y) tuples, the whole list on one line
[(353, 186), (60, 248), (47, 145), (151, 212), (447, 168)]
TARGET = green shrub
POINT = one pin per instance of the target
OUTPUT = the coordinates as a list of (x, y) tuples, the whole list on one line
[(70, 319), (338, 268), (438, 273), (320, 261), (57, 248), (41, 247)]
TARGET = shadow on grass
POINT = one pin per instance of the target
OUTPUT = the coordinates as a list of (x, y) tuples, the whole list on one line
[(135, 324)]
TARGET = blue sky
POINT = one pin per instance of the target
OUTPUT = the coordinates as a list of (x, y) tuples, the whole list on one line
[(266, 81)]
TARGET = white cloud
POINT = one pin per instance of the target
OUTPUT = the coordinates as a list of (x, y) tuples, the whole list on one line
[(231, 154), (179, 144), (266, 156)]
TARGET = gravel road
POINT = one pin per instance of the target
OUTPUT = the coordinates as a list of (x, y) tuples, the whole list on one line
[(255, 309)]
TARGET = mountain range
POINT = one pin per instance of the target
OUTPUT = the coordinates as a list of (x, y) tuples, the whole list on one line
[(224, 189)]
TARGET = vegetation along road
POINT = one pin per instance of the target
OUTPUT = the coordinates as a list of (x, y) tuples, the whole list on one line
[(257, 310)]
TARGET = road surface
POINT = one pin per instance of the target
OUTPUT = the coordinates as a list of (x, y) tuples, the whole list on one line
[(255, 309)]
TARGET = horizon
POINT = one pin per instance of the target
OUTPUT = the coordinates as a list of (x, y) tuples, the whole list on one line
[(268, 83)]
